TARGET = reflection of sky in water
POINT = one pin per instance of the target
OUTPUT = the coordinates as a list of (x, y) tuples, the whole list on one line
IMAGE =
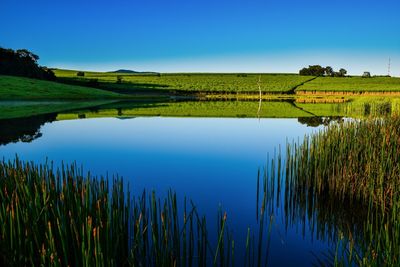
[(212, 161)]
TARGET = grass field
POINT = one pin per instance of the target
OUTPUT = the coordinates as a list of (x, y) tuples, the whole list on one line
[(18, 88), (352, 84), (227, 83), (197, 82)]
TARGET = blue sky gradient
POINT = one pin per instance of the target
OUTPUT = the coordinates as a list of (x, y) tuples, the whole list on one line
[(207, 35)]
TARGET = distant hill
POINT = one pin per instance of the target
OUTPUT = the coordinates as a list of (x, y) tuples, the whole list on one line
[(123, 71)]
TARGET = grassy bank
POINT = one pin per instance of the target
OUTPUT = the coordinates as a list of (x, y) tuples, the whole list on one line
[(18, 88), (352, 84)]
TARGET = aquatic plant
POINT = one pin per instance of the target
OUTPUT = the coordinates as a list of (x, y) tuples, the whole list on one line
[(353, 165), (64, 218)]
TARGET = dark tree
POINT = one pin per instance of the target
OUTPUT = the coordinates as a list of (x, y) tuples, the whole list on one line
[(329, 71), (23, 63), (314, 70), (342, 72), (80, 74), (305, 72)]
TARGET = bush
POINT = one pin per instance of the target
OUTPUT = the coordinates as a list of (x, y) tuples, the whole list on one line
[(119, 79), (80, 74)]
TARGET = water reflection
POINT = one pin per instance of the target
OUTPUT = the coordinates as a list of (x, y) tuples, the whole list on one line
[(211, 160), (318, 121), (23, 129)]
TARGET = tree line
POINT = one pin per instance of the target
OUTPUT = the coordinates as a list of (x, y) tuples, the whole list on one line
[(317, 70), (24, 63)]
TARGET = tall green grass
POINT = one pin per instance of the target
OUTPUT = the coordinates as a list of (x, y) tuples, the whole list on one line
[(350, 168), (358, 160), (61, 217), (64, 218)]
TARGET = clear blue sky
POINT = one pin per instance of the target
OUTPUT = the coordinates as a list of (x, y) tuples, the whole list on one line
[(206, 35)]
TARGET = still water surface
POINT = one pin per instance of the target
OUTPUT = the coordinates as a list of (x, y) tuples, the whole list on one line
[(213, 161)]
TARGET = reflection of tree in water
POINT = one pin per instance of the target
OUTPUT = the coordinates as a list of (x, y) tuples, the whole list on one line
[(23, 129), (317, 121)]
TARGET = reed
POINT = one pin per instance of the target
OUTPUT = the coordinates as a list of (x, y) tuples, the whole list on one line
[(65, 218), (345, 167)]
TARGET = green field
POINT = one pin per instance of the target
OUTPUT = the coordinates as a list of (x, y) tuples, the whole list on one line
[(218, 83), (352, 84), (193, 82), (18, 88)]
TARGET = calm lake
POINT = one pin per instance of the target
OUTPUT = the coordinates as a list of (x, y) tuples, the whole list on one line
[(212, 161)]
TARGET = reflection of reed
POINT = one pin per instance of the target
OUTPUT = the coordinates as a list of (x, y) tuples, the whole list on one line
[(343, 183)]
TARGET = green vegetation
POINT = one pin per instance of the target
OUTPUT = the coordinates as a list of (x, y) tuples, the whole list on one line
[(18, 88), (190, 82), (367, 167), (23, 63), (63, 218), (352, 84), (354, 165), (229, 83), (317, 70), (356, 107)]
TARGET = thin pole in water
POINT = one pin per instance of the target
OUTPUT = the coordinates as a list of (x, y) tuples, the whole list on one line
[(259, 89)]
